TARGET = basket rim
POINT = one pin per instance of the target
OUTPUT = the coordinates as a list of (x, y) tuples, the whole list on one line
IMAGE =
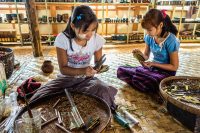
[(32, 104), (7, 50), (183, 105)]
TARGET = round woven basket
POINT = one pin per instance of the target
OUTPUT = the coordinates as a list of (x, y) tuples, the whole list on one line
[(7, 57), (192, 108), (98, 108)]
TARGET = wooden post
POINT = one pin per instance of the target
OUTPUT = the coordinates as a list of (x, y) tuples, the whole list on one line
[(106, 17), (116, 25), (10, 11), (136, 12), (33, 27), (53, 14), (180, 22)]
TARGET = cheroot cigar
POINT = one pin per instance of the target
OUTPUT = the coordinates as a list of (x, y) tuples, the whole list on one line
[(43, 118), (62, 128), (43, 124), (56, 103)]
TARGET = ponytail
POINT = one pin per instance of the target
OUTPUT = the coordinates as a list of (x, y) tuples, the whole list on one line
[(154, 17), (168, 26), (69, 33)]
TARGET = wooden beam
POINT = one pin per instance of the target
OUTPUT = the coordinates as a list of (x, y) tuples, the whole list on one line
[(2, 8), (96, 9), (53, 14), (136, 12), (13, 25), (33, 27), (116, 25), (68, 7)]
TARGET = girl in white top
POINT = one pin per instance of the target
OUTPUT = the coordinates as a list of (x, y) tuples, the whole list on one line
[(75, 47)]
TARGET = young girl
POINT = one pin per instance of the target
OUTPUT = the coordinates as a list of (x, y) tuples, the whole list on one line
[(162, 42), (75, 47)]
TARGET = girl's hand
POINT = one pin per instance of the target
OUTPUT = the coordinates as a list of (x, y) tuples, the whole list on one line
[(147, 64), (137, 51), (89, 72), (98, 69)]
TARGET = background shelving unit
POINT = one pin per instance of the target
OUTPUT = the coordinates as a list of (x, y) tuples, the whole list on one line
[(128, 21), (185, 14), (111, 15), (102, 9), (13, 31)]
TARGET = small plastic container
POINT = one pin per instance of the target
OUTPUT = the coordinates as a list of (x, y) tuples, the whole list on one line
[(31, 125), (5, 107), (2, 108)]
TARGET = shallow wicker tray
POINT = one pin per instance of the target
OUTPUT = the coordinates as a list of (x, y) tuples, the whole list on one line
[(8, 59), (87, 105), (192, 108)]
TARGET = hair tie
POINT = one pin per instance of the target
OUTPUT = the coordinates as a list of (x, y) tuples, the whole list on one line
[(79, 17), (164, 13)]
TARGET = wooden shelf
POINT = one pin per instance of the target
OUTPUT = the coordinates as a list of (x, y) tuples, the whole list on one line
[(133, 41), (7, 8), (109, 34), (66, 3), (67, 6), (128, 4), (187, 22), (177, 6), (11, 43), (115, 23), (96, 4), (52, 23), (171, 8), (12, 3), (14, 23), (173, 0), (190, 41), (78, 3), (120, 23), (116, 41), (19, 43)]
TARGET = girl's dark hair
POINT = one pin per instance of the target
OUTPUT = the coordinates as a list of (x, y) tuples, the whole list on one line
[(154, 17), (82, 16)]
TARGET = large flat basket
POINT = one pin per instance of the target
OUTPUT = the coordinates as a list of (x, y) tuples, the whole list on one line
[(190, 107), (88, 106)]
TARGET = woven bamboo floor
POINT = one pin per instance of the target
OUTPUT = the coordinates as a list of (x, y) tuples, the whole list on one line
[(152, 116)]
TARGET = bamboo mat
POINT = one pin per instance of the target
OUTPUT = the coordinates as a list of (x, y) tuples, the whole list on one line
[(153, 117)]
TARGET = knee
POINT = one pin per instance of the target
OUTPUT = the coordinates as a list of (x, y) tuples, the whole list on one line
[(105, 88), (119, 71), (101, 85)]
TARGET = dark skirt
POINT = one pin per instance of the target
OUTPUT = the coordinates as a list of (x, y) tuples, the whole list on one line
[(143, 79), (89, 85)]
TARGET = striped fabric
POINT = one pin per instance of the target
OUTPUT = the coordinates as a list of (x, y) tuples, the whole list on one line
[(89, 85), (143, 79)]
